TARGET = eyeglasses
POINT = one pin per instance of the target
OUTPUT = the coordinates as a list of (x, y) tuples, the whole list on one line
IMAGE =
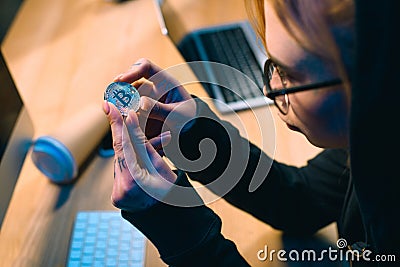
[(280, 94)]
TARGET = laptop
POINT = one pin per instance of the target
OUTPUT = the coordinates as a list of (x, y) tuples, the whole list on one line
[(15, 123), (15, 136), (227, 59)]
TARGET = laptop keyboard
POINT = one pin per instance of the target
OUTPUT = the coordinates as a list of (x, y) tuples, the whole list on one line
[(228, 46), (104, 238)]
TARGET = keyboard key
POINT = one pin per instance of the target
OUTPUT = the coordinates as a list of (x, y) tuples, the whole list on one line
[(74, 263), (111, 262), (98, 264)]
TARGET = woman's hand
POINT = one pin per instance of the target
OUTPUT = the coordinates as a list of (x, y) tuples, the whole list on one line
[(141, 176), (164, 102)]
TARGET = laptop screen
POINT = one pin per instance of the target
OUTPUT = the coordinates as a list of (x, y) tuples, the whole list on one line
[(15, 136), (11, 105), (16, 129)]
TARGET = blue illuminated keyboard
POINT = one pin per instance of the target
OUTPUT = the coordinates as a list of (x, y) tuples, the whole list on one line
[(104, 238)]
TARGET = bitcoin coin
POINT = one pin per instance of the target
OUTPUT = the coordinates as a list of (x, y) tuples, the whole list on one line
[(124, 96)]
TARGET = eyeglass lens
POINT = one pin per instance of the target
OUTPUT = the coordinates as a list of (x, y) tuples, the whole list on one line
[(276, 83)]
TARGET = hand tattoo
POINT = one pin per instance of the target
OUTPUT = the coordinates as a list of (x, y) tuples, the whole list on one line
[(121, 163)]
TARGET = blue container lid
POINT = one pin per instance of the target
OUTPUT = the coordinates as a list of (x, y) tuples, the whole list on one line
[(54, 159)]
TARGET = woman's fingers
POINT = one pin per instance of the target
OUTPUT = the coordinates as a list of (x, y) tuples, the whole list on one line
[(116, 122), (144, 68), (159, 176), (154, 109), (159, 141), (138, 140), (124, 158)]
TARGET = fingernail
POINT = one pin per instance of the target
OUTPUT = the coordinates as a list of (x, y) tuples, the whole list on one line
[(143, 106), (165, 134), (128, 119), (165, 138), (118, 77), (106, 107), (135, 64)]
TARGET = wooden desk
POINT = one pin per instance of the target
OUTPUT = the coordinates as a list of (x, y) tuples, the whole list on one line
[(62, 54)]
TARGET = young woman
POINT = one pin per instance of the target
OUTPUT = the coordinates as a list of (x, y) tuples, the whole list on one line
[(310, 47)]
